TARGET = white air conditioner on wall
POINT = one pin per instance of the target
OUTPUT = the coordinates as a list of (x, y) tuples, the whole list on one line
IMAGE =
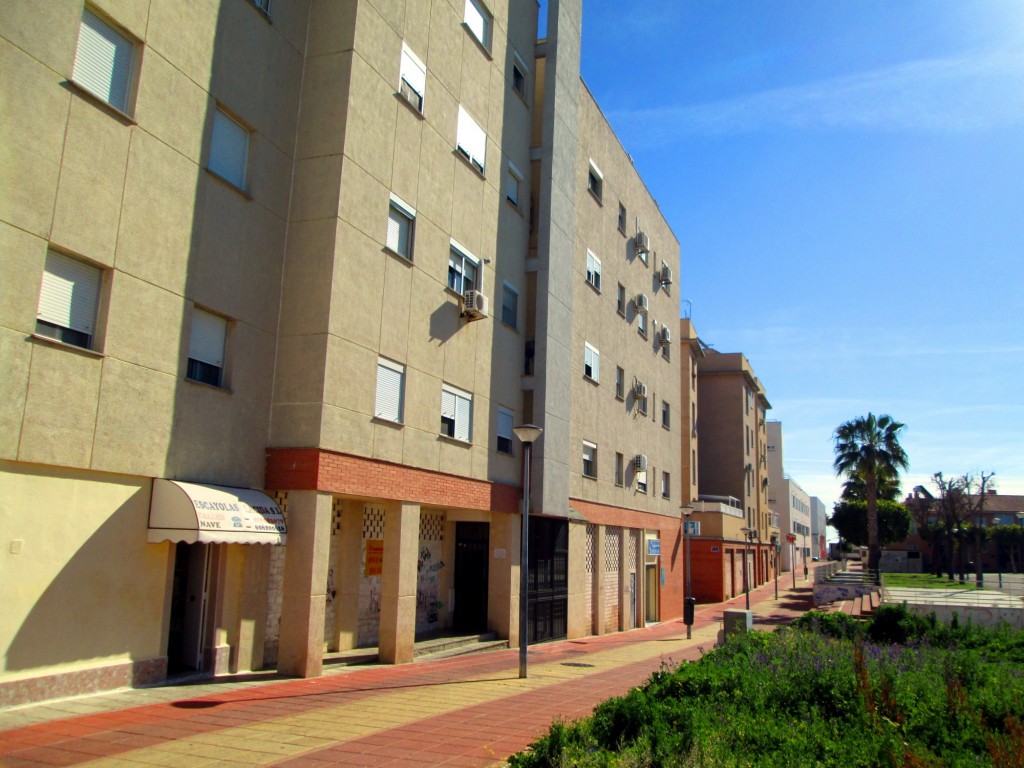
[(666, 274), (666, 336), (475, 305), (642, 303), (643, 243), (640, 389), (640, 463)]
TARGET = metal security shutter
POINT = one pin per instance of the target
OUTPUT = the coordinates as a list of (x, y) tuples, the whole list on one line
[(103, 61), (69, 293), (389, 390), (229, 149), (206, 343)]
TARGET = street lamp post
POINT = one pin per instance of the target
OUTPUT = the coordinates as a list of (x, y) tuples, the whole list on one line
[(527, 434), (748, 535), (687, 604), (775, 549), (804, 555)]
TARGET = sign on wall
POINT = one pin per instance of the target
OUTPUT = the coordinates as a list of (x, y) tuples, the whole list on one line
[(691, 527), (653, 547), (374, 557)]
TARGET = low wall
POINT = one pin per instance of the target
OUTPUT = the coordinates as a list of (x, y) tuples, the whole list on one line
[(982, 615), (828, 591)]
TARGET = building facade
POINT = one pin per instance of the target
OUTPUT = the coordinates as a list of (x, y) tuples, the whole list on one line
[(819, 526), (792, 504), (734, 546), (333, 252)]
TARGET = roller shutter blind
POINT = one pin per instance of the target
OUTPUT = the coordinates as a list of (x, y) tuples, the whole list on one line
[(206, 343), (69, 293), (104, 61), (389, 390), (229, 149)]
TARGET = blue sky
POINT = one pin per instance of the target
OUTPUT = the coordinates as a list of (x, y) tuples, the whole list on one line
[(846, 180)]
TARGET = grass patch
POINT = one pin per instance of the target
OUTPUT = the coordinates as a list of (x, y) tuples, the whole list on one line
[(923, 581), (828, 691)]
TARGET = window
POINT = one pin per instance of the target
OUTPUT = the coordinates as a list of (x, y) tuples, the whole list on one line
[(504, 431), (401, 225), (641, 324), (591, 363), (104, 62), (229, 149), (620, 383), (666, 485), (456, 413), (471, 139), (595, 181), (390, 391), (478, 21), (263, 5), (509, 306), (412, 84), (206, 348), (622, 218), (641, 401), (589, 460), (641, 480), (68, 300), (519, 70), (620, 469), (665, 415), (594, 271), (620, 300), (462, 270), (513, 183)]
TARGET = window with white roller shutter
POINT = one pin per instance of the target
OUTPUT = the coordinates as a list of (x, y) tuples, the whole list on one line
[(68, 300), (456, 413), (478, 21), (401, 227), (229, 149), (412, 84), (390, 390), (104, 62), (471, 140), (206, 348)]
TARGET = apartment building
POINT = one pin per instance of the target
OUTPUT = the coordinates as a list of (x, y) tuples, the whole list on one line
[(791, 502), (819, 528), (288, 275), (735, 531)]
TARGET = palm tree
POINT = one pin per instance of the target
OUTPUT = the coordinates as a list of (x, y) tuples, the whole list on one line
[(868, 449)]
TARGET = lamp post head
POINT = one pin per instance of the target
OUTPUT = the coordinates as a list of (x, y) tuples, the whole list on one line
[(527, 433)]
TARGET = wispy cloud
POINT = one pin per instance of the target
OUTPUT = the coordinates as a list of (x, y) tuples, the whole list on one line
[(949, 95)]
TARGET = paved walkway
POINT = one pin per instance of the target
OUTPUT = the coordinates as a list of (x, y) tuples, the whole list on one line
[(470, 711)]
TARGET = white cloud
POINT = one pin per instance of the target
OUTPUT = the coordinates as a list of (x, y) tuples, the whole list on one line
[(950, 95)]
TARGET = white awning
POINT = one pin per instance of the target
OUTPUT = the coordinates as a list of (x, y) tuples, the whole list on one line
[(213, 514)]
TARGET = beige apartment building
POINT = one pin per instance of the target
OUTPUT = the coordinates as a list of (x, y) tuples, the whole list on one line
[(791, 502), (280, 279), (736, 537)]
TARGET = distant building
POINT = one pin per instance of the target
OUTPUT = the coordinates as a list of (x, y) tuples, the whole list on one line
[(819, 526), (791, 502), (730, 470)]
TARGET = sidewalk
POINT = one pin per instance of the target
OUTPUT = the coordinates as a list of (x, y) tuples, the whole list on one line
[(463, 711)]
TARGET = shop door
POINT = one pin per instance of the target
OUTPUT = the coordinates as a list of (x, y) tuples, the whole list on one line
[(471, 558), (548, 595), (188, 608), (632, 600)]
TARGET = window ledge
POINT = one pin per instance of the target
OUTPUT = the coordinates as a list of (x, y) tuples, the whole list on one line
[(230, 184), (262, 12), (592, 380), (472, 36), (410, 106), (596, 288), (455, 441), (101, 102), (621, 398), (469, 163), (404, 259), (386, 422), (514, 207), (594, 195), (64, 345), (589, 477), (204, 385)]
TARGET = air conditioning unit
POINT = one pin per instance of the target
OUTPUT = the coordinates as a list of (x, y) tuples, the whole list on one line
[(666, 274), (642, 303), (640, 389), (475, 305), (643, 242), (666, 336), (640, 462)]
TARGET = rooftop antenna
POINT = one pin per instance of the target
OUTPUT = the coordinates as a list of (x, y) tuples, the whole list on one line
[(687, 305)]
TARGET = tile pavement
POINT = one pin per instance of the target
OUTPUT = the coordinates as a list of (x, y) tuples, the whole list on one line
[(470, 711)]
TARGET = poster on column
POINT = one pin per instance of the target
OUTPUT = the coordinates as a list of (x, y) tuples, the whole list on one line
[(374, 557)]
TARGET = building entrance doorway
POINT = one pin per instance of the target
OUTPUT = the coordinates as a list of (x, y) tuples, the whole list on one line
[(548, 595), (189, 594), (651, 593), (472, 547)]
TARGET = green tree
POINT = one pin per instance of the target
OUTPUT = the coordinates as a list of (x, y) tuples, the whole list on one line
[(868, 448), (855, 489), (850, 519)]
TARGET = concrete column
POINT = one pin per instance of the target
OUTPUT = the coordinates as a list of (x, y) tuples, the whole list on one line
[(503, 590), (301, 649), (624, 607), (599, 580), (580, 614), (398, 583), (349, 573)]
